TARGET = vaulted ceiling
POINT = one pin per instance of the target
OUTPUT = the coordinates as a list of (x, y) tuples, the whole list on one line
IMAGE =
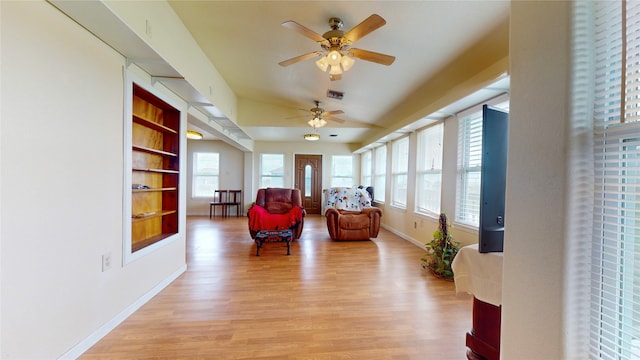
[(436, 43)]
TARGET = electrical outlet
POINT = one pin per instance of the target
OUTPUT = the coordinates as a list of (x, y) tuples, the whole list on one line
[(106, 262)]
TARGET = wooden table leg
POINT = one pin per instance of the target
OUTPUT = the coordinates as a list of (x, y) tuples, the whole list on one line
[(483, 341)]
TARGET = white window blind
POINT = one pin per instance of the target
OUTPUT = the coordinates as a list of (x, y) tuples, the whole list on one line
[(400, 169), (365, 171), (429, 170), (271, 170), (380, 171), (615, 245), (341, 170), (206, 168), (469, 166)]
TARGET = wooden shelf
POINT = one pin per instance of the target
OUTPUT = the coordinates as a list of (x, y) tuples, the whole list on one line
[(146, 242), (153, 151), (151, 216), (163, 171), (153, 125), (156, 189)]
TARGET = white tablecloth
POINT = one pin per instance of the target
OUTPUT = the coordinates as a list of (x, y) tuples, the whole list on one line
[(479, 274)]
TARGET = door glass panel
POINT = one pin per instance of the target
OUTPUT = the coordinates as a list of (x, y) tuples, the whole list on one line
[(307, 180)]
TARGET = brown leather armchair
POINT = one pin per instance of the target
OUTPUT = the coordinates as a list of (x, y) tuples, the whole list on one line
[(353, 225), (350, 215), (277, 209)]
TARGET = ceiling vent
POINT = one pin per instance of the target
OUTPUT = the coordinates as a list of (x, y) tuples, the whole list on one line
[(332, 94)]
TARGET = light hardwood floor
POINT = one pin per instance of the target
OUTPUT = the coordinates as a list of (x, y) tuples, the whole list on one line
[(328, 300)]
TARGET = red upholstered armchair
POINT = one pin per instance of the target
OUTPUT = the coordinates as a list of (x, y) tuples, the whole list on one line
[(277, 209)]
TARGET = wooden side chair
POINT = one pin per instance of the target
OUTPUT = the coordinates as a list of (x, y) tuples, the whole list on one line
[(234, 199), (220, 198)]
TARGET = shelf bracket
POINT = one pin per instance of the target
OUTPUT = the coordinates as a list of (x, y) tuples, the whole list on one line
[(197, 104), (167, 79)]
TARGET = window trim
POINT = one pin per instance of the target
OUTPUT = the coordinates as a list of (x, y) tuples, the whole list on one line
[(399, 168), (366, 177), (261, 176), (195, 175), (334, 176), (420, 173), (380, 173)]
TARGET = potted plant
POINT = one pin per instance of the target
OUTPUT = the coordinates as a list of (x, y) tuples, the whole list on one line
[(441, 251)]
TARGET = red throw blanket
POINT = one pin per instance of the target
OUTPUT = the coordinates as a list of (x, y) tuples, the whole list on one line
[(261, 219)]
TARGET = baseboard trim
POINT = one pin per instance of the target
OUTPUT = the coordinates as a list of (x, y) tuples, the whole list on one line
[(404, 236), (101, 332)]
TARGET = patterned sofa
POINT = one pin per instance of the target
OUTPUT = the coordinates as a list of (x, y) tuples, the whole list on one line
[(350, 214)]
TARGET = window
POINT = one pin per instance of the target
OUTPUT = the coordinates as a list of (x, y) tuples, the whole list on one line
[(307, 180), (365, 163), (429, 170), (271, 170), (341, 170), (206, 172), (615, 243), (380, 172), (469, 165), (399, 171)]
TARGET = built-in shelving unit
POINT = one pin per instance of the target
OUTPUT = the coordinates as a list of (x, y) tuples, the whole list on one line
[(155, 169)]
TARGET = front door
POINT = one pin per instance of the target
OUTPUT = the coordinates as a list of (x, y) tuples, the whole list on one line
[(309, 181)]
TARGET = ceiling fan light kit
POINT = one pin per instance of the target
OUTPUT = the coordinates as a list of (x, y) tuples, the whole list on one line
[(336, 62), (317, 122), (322, 64), (346, 62)]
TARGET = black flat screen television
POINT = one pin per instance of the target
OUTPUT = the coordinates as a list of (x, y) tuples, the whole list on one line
[(493, 179)]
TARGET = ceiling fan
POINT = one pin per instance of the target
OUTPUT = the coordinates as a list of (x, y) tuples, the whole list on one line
[(336, 43), (320, 116)]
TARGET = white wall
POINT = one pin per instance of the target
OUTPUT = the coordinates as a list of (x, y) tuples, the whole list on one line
[(536, 174), (62, 185), (231, 172)]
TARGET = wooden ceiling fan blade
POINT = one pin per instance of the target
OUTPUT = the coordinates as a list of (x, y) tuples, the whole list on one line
[(333, 118), (305, 31), (296, 117), (300, 58), (368, 25), (334, 112), (372, 56)]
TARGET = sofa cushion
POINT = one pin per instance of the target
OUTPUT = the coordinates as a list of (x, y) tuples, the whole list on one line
[(277, 207), (278, 200), (353, 222)]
